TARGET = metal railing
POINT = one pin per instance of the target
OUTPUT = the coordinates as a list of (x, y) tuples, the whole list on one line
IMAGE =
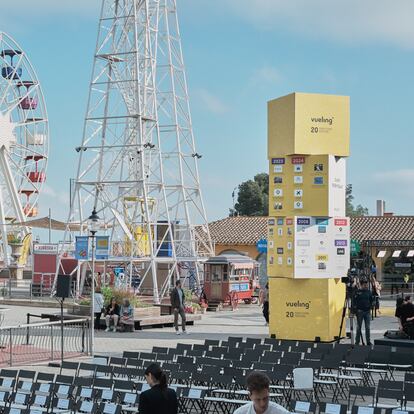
[(36, 342), (393, 289)]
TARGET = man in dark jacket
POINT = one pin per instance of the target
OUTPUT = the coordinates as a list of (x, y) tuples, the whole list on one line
[(178, 304), (363, 304)]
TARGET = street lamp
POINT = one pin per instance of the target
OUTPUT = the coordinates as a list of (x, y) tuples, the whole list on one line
[(93, 227)]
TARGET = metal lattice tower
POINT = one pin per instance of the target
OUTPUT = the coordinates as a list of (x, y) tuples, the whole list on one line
[(138, 162)]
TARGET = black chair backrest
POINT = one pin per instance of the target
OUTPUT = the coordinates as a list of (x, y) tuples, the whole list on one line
[(325, 407), (130, 354), (391, 385)]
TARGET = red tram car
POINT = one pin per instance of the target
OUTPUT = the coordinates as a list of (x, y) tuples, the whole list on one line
[(230, 278)]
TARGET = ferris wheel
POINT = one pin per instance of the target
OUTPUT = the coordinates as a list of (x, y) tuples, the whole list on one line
[(24, 142)]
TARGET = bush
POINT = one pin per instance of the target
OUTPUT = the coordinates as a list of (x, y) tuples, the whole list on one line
[(120, 295)]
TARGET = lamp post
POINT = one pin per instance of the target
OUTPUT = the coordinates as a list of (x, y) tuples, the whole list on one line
[(93, 227)]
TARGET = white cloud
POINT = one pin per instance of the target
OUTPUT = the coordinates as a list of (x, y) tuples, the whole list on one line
[(212, 103), (352, 21), (267, 74)]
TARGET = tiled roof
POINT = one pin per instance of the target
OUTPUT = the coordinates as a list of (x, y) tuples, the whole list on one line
[(248, 230), (382, 228)]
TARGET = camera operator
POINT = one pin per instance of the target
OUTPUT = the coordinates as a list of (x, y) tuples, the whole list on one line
[(363, 303)]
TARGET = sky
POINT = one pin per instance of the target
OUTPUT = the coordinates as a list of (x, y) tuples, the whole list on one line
[(239, 54)]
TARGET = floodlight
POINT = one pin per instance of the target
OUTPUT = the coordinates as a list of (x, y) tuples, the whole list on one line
[(381, 253), (396, 253)]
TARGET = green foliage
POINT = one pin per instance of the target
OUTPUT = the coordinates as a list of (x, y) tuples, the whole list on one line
[(253, 197), (14, 239), (352, 211), (120, 294)]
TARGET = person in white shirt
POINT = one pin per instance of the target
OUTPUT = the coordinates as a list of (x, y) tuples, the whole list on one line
[(258, 385)]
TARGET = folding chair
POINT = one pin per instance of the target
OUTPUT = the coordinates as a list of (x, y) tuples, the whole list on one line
[(192, 400), (124, 386), (85, 393), (19, 400), (106, 395), (211, 342), (26, 375), (130, 354), (408, 394), (365, 410), (73, 367), (45, 377), (303, 406), (303, 382), (86, 407), (361, 391), (331, 408), (103, 383), (43, 388), (159, 350), (62, 390), (116, 361), (109, 408), (129, 399), (40, 401), (62, 404), (103, 371), (25, 387)]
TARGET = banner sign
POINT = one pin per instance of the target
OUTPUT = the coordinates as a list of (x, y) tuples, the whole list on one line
[(43, 248), (102, 247), (81, 247)]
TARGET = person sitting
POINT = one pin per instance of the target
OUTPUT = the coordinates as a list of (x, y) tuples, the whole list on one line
[(112, 315), (258, 385), (406, 315), (126, 320), (159, 398)]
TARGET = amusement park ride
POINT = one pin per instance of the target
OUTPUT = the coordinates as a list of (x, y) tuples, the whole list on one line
[(137, 161), (24, 141)]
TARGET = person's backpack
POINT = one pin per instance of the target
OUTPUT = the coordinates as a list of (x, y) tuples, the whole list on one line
[(394, 334)]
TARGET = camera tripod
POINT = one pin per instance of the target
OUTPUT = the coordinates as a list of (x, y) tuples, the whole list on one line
[(351, 316)]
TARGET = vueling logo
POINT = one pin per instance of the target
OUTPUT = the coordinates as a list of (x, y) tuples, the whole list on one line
[(298, 304), (322, 120)]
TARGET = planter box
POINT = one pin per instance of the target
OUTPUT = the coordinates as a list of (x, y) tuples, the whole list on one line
[(81, 310)]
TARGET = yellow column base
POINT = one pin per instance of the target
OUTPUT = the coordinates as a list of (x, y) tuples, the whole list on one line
[(306, 309)]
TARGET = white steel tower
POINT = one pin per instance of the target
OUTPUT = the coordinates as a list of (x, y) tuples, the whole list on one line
[(137, 161)]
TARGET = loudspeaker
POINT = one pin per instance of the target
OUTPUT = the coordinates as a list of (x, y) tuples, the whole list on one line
[(63, 286)]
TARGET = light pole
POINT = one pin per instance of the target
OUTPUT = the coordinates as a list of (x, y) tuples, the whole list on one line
[(93, 227)]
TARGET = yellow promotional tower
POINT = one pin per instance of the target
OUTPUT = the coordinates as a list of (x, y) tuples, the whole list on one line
[(308, 233)]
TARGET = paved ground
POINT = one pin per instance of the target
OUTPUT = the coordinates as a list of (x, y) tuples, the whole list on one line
[(246, 321)]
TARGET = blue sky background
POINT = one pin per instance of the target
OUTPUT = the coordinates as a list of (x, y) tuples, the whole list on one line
[(239, 54)]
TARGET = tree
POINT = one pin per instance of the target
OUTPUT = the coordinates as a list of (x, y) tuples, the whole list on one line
[(352, 211), (253, 197)]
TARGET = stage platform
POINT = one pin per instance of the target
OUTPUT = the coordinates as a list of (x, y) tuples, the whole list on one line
[(399, 343)]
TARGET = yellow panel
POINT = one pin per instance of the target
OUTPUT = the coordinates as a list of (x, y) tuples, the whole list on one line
[(306, 309), (303, 123), (317, 183)]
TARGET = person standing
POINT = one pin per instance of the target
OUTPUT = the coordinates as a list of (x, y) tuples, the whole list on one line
[(178, 303), (258, 385), (159, 398), (363, 304), (98, 305), (264, 301)]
